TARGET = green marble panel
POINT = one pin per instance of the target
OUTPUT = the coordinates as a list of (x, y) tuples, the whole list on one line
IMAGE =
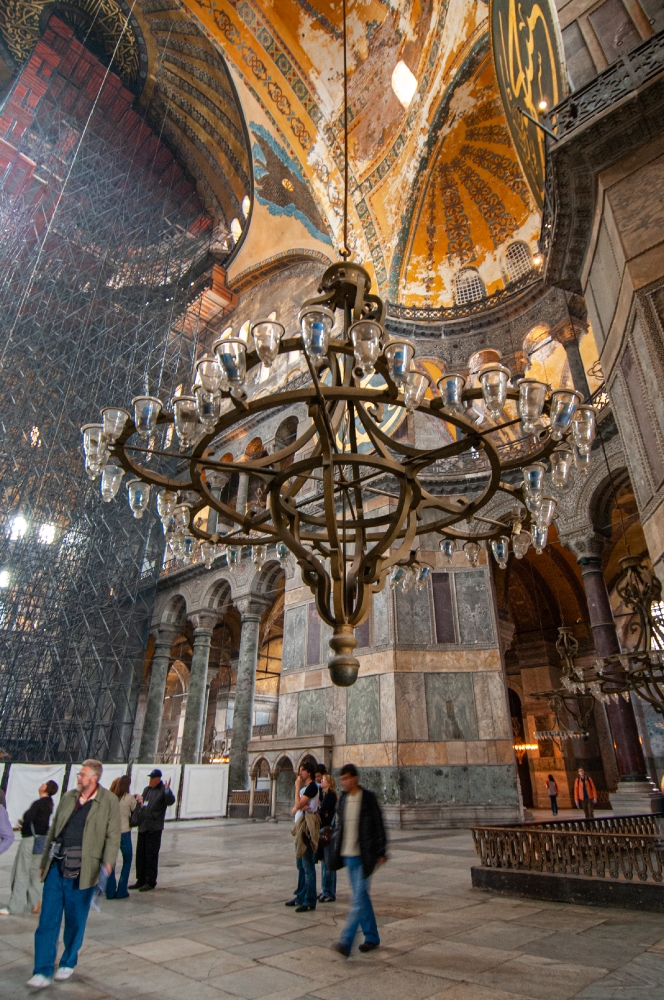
[(311, 713), (450, 707), (295, 634), (363, 711)]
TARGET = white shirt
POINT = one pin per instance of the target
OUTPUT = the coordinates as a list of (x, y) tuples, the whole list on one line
[(314, 800), (350, 842)]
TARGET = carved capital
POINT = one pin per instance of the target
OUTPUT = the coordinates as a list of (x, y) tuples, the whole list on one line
[(251, 606), (569, 331), (164, 637), (584, 544), (203, 622)]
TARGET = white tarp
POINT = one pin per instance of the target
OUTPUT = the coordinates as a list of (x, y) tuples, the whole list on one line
[(204, 791), (23, 786), (110, 772), (139, 781)]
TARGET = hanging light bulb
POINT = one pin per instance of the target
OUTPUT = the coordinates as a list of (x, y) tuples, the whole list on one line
[(316, 323), (114, 419), (259, 556), (231, 354), (208, 405), (539, 538), (417, 384), (409, 579), (472, 551), (451, 388), (501, 549), (584, 428), (399, 354), (138, 496), (233, 557), (209, 374), (366, 336), (208, 553), (111, 479), (190, 548), (582, 461), (545, 514), (166, 501), (168, 525), (397, 576), (563, 404), (146, 412), (532, 396), (267, 337), (95, 445), (185, 419), (494, 380), (533, 485), (447, 547), (423, 577), (521, 543), (562, 458), (182, 515), (283, 554)]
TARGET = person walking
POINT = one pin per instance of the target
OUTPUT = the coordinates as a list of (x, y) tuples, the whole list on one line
[(360, 844), (585, 794), (552, 791), (327, 811), (25, 882), (154, 802), (128, 803), (83, 839), (305, 831), (6, 832)]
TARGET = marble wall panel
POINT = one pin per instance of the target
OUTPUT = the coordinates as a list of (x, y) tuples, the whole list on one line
[(381, 618), (473, 785), (411, 707), (474, 607), (363, 711), (491, 706), (450, 705), (335, 713), (388, 714), (313, 635), (295, 633), (414, 618), (287, 718), (443, 609), (311, 713)]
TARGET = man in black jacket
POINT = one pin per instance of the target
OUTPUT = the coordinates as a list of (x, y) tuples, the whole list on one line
[(360, 845), (153, 803)]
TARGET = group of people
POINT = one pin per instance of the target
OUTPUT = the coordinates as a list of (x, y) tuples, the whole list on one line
[(59, 866), (340, 832), (585, 794)]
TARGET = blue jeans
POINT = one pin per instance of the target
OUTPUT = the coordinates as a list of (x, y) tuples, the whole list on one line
[(121, 891), (306, 880), (361, 911), (61, 895), (328, 875)]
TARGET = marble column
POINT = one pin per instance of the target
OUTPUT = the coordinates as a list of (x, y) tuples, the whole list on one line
[(194, 719), (252, 795), (155, 702), (273, 795), (251, 611), (569, 335), (242, 493), (622, 721)]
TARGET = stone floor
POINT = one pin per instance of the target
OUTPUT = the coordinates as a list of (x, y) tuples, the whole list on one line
[(216, 928)]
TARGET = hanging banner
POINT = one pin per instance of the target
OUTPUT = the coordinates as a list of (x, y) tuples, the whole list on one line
[(530, 67)]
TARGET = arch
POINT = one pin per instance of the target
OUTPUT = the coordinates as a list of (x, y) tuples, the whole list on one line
[(469, 287), (257, 767), (284, 436), (539, 336), (283, 762), (518, 261), (175, 611), (218, 597)]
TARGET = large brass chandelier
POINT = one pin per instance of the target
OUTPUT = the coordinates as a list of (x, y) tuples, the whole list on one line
[(347, 499)]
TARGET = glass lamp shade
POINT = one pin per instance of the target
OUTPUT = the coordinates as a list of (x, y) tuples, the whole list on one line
[(414, 391), (176, 543), (232, 357), (168, 524), (398, 575), (209, 374), (546, 512), (399, 354), (114, 419), (233, 556), (494, 380), (533, 476), (138, 494), (451, 389), (472, 551), (283, 553), (582, 461), (94, 443), (539, 538), (532, 396), (208, 552), (185, 419), (501, 550), (146, 411), (409, 579), (366, 336), (189, 548), (447, 547), (584, 428), (111, 478), (316, 323), (258, 556), (563, 404), (521, 543), (423, 577), (208, 406), (93, 469), (166, 501), (561, 465), (267, 337), (182, 515)]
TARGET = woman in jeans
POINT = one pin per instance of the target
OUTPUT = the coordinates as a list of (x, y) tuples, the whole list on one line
[(326, 811), (25, 881), (552, 789), (120, 787)]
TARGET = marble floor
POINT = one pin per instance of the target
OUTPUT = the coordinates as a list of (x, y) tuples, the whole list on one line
[(216, 928)]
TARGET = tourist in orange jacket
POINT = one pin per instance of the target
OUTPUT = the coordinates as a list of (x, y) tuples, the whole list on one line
[(585, 794)]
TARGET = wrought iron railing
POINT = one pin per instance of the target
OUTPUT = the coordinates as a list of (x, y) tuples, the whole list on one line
[(620, 848)]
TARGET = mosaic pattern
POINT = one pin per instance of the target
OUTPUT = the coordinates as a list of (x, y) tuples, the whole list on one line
[(459, 237), (499, 221), (498, 166), (498, 134)]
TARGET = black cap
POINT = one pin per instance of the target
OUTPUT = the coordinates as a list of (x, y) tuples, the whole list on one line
[(155, 773)]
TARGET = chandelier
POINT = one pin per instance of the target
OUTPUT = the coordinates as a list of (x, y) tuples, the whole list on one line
[(347, 499)]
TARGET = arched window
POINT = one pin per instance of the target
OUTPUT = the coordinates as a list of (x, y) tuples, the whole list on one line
[(236, 230), (469, 286), (517, 261)]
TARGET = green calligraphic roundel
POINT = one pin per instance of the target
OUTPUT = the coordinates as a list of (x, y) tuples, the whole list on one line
[(530, 67)]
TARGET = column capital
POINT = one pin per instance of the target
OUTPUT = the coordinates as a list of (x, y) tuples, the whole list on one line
[(203, 622), (251, 606), (586, 545), (164, 635)]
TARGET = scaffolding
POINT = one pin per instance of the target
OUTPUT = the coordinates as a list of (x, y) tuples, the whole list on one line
[(103, 242)]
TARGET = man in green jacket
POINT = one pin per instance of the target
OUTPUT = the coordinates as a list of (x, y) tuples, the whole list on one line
[(83, 837)]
